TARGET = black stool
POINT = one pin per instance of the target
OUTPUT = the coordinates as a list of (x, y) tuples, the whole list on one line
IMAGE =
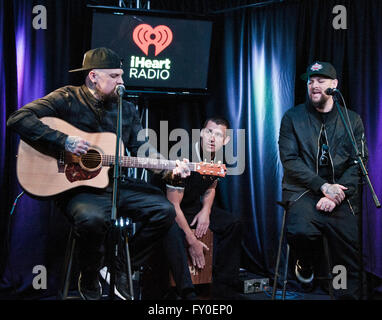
[(285, 277), (67, 267), (68, 260)]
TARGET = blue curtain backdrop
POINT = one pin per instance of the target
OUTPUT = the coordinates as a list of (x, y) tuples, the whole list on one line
[(258, 66), (258, 56)]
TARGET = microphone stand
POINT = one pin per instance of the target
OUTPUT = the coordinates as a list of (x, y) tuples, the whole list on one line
[(116, 232), (366, 176), (359, 158)]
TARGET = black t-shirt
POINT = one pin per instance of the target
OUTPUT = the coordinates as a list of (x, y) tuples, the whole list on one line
[(194, 187), (324, 163)]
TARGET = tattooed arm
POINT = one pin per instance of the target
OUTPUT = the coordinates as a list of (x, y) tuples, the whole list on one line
[(195, 247), (203, 217), (334, 192), (76, 145)]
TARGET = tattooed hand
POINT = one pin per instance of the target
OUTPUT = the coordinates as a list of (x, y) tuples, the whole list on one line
[(76, 145), (181, 169), (334, 192), (325, 204)]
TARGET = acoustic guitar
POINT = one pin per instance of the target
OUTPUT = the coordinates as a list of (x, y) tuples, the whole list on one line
[(44, 174)]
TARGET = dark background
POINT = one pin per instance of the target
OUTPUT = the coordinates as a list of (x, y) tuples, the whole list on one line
[(258, 54)]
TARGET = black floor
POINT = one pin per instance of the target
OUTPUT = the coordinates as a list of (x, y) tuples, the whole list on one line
[(294, 292)]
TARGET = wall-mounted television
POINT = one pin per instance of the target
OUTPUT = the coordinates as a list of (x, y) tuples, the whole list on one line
[(159, 52)]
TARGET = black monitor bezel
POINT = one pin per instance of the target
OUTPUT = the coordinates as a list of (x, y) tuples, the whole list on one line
[(142, 90)]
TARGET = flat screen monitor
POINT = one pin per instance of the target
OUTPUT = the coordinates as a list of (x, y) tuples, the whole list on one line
[(158, 52)]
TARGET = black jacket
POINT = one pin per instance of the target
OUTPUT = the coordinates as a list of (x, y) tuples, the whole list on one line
[(77, 106), (299, 147)]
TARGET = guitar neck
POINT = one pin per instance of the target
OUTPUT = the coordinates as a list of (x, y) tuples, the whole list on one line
[(146, 163)]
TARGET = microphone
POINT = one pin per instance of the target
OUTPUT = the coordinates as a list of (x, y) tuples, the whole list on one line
[(120, 89), (332, 91)]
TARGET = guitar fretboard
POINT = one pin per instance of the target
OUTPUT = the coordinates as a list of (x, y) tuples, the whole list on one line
[(147, 163)]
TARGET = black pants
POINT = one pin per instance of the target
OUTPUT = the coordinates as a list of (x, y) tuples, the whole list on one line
[(90, 213), (226, 258), (305, 225)]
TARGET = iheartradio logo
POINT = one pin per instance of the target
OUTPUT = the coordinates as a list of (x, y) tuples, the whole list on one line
[(144, 35)]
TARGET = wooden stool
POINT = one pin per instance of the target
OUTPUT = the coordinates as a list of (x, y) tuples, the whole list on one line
[(201, 276)]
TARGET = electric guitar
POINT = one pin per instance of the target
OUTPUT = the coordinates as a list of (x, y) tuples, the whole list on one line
[(44, 174)]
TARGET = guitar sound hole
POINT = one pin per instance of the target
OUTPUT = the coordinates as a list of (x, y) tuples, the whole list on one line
[(91, 160)]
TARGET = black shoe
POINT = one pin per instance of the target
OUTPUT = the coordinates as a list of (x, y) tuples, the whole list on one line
[(122, 288), (304, 272), (89, 286)]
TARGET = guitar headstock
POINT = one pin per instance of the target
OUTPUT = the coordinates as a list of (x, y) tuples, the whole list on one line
[(211, 169)]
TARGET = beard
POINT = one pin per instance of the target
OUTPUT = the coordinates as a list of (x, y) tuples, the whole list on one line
[(320, 104), (107, 99)]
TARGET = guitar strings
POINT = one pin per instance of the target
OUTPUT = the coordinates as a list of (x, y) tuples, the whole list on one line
[(97, 157), (125, 158), (131, 159), (90, 158)]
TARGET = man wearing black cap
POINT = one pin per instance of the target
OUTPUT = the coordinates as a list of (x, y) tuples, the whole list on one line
[(92, 107), (321, 181)]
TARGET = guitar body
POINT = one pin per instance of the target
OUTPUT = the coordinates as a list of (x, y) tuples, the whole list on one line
[(43, 175)]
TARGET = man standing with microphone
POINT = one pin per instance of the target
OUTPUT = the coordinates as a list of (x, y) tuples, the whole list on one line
[(92, 107), (321, 181)]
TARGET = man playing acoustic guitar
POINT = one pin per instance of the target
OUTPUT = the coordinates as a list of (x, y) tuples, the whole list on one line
[(92, 107)]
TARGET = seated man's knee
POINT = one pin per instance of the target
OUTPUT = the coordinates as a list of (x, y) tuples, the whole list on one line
[(301, 236), (90, 219), (234, 229), (167, 213), (302, 228), (233, 225)]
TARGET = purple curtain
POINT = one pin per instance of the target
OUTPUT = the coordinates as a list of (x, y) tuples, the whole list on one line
[(365, 91), (34, 234)]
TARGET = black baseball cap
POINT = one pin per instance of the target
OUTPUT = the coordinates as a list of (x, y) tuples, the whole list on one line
[(100, 58), (320, 68)]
